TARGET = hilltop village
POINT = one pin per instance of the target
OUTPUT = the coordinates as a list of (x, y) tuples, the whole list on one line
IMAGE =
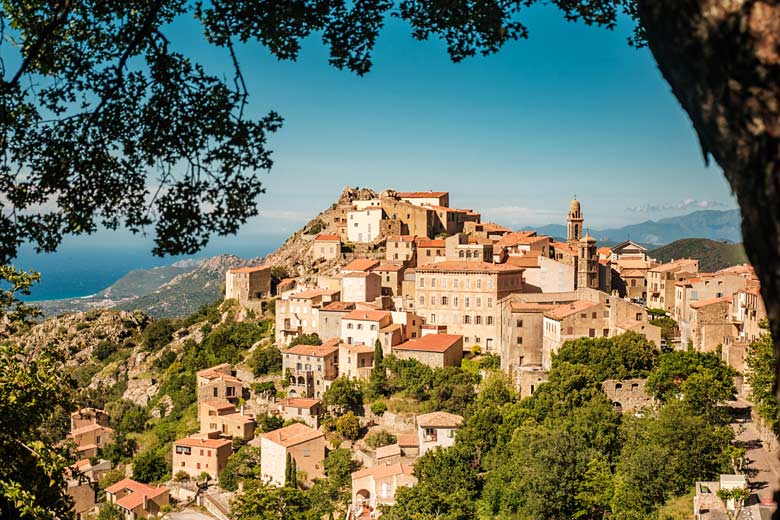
[(406, 279)]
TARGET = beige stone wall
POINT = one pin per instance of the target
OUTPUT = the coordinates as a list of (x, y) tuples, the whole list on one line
[(415, 220), (325, 249), (450, 358), (361, 289), (330, 324), (627, 395), (522, 338), (248, 286), (200, 459), (550, 277), (400, 251), (309, 457), (527, 381)]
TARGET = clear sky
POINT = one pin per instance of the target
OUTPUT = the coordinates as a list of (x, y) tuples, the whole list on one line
[(572, 110)]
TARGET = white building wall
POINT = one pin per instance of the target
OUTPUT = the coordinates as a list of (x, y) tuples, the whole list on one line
[(273, 462), (363, 226), (365, 332)]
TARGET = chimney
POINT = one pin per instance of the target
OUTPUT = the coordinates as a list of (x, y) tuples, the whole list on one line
[(146, 502)]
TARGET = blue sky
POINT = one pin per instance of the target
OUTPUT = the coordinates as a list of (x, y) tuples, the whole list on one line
[(572, 110)]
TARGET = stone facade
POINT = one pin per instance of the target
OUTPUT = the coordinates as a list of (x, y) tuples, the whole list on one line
[(310, 369), (304, 444), (326, 247), (628, 395), (202, 454), (434, 350), (248, 285)]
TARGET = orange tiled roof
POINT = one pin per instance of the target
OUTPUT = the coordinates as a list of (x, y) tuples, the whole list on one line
[(327, 238), (296, 433), (360, 264), (389, 266), (675, 265), (308, 295), (384, 470), (711, 301), (632, 273), (339, 306), (606, 251), (530, 306), (300, 402), (136, 488), (439, 420), (526, 261), (430, 343), (366, 315), (199, 442), (250, 269), (563, 246), (520, 237), (463, 266), (429, 242), (357, 349), (89, 428), (312, 350), (567, 309), (218, 404), (408, 440)]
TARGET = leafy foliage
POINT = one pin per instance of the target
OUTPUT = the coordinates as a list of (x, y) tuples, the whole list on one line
[(621, 357), (266, 360), (761, 376), (259, 502), (14, 313), (158, 334), (241, 465), (348, 426), (150, 466), (344, 393), (306, 339), (379, 438)]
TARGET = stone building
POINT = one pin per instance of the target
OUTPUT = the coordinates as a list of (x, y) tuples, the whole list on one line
[(461, 246), (302, 409), (360, 286), (217, 415), (401, 248), (705, 286), (363, 226), (137, 500), (574, 221), (628, 395), (362, 327), (326, 247), (573, 320), (248, 285), (304, 444), (356, 361), (310, 369), (201, 454), (522, 334), (747, 312), (425, 198), (661, 281), (330, 318), (430, 250), (437, 429), (710, 323), (464, 297), (391, 276), (220, 382), (521, 243), (375, 486), (587, 263), (297, 313), (434, 350), (87, 416)]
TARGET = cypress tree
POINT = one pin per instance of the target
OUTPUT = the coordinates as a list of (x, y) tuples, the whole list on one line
[(288, 468), (378, 381)]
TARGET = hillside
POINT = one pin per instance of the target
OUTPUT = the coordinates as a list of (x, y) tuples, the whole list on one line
[(175, 290), (710, 224), (712, 255)]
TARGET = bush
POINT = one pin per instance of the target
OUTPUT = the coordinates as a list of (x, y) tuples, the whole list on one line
[(379, 438), (150, 466), (306, 339), (264, 387), (378, 408), (126, 416), (165, 360), (181, 476), (348, 426), (104, 349), (158, 334), (266, 360)]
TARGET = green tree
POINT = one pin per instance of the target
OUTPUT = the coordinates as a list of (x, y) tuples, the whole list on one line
[(260, 502), (345, 394), (241, 465), (621, 357), (348, 426), (291, 472), (668, 328), (761, 363), (339, 466), (379, 438), (150, 466), (121, 449), (110, 512), (266, 360), (33, 387), (158, 334), (104, 349), (306, 339), (14, 313), (377, 384)]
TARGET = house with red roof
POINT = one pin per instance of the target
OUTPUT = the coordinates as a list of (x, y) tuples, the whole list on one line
[(219, 382), (375, 486), (303, 444), (221, 416), (326, 247), (201, 453), (310, 369), (137, 500), (248, 285), (434, 350)]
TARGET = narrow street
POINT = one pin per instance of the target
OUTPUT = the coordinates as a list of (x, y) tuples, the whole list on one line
[(763, 468)]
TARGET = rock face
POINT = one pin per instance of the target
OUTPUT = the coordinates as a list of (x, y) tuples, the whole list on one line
[(78, 334)]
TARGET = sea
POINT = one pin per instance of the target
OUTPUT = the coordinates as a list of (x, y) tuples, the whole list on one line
[(85, 265)]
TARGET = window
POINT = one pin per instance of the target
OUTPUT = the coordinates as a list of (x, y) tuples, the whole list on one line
[(455, 283), (443, 283), (468, 283), (433, 283), (422, 282), (427, 252), (489, 343), (349, 325), (477, 340), (593, 316), (197, 465), (490, 303), (360, 326), (479, 283), (433, 300), (422, 300), (444, 300), (519, 324), (460, 254), (605, 333), (638, 316), (583, 315), (466, 319), (569, 330), (433, 318), (466, 301), (307, 453), (490, 283), (455, 301), (591, 333), (490, 320), (477, 320), (519, 340)]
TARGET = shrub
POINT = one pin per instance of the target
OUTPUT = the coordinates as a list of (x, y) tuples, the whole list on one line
[(378, 408), (379, 438), (158, 334), (306, 339), (181, 476), (150, 466), (264, 387), (165, 360), (104, 349), (266, 360), (348, 426)]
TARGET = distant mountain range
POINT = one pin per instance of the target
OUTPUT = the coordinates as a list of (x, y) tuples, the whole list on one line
[(710, 224)]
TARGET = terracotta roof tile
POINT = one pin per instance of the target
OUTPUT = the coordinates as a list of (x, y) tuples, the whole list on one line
[(300, 402), (430, 343), (360, 264), (296, 433), (338, 306), (198, 442), (711, 301), (421, 194), (384, 470), (367, 315), (439, 420), (429, 242), (327, 238), (312, 350), (462, 266), (567, 309)]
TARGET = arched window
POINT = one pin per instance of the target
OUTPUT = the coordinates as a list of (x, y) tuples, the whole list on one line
[(301, 380), (460, 254)]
